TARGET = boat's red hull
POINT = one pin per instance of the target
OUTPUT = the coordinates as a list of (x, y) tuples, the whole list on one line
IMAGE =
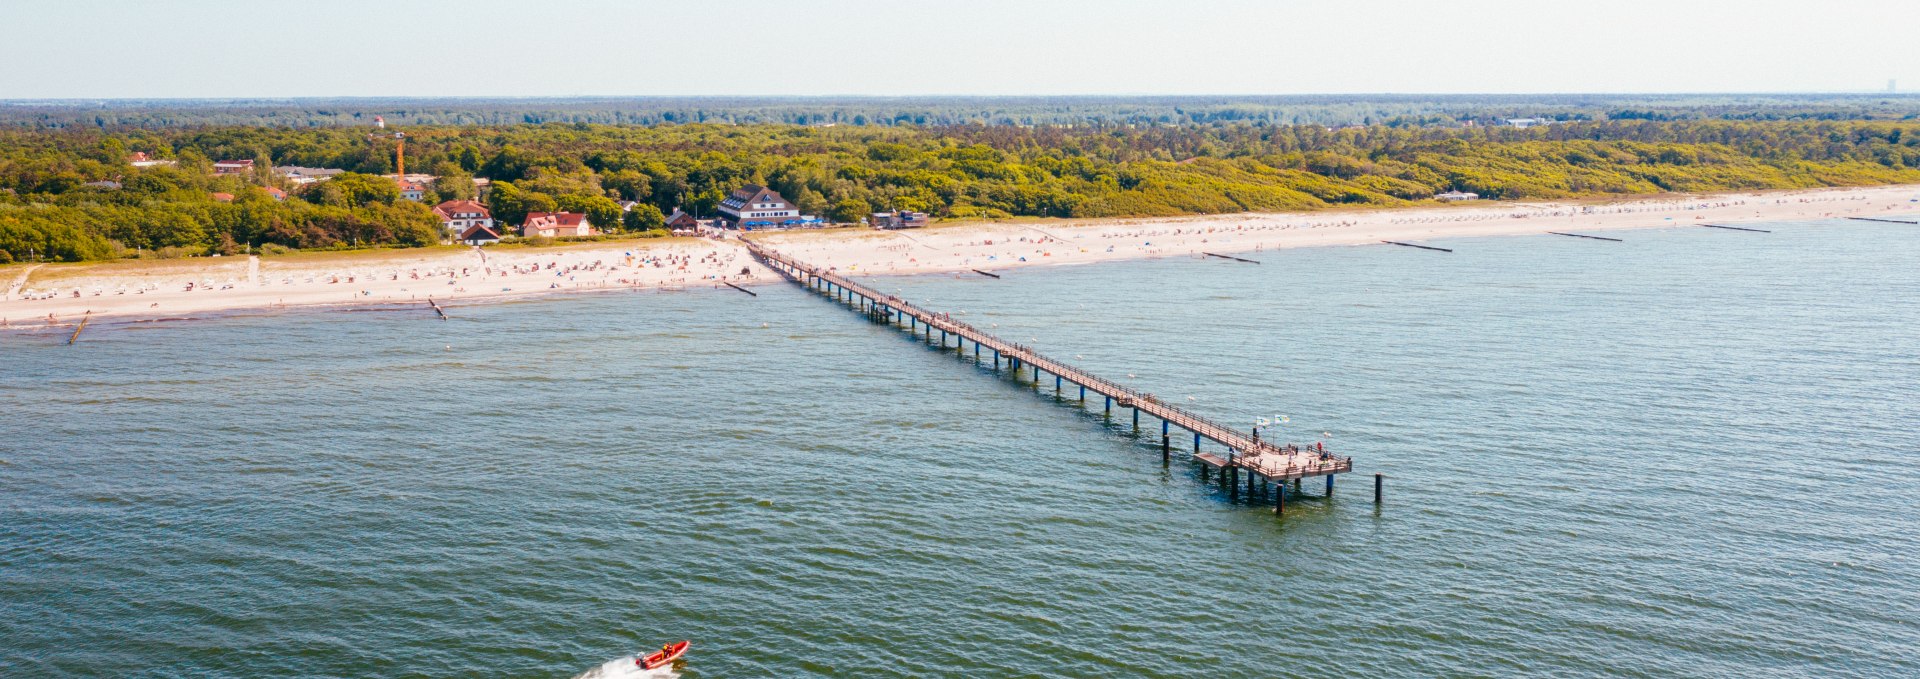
[(664, 657)]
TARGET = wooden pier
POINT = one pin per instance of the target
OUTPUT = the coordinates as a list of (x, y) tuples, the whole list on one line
[(1244, 453)]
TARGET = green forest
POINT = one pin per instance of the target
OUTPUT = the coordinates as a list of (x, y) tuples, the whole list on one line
[(53, 207)]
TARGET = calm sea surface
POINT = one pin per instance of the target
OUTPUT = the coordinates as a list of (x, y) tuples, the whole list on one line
[(1694, 453)]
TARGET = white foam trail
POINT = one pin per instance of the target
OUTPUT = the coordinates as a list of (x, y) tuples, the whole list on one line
[(627, 668)]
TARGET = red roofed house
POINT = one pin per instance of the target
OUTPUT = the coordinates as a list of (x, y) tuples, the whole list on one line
[(276, 193), (223, 197), (556, 225), (458, 215), (414, 191), (479, 235)]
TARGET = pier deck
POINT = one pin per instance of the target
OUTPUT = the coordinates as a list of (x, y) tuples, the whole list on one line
[(1244, 452)]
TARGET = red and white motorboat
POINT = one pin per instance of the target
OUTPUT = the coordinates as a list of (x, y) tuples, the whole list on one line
[(663, 657)]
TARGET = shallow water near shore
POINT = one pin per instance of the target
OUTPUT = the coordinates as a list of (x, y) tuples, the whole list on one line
[(1691, 453)]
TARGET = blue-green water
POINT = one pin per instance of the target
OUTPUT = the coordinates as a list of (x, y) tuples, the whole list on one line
[(1690, 454)]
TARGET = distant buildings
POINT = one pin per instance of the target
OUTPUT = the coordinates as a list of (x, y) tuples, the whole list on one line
[(898, 220), (232, 166), (414, 191), (1524, 123), (108, 185), (223, 197), (1456, 196), (276, 193), (306, 175), (556, 225), (140, 159), (751, 206), (457, 216)]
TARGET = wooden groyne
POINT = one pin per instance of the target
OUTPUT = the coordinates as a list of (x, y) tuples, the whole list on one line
[(1877, 219), (1237, 259), (83, 326), (1410, 245), (437, 309), (736, 287), (1582, 235), (1734, 228), (1245, 453), (987, 274)]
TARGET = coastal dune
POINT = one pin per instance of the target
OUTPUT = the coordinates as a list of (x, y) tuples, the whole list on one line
[(36, 295)]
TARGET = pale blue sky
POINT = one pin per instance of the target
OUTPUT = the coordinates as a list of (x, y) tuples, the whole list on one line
[(275, 48)]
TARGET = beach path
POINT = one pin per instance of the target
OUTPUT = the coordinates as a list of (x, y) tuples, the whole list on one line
[(21, 281)]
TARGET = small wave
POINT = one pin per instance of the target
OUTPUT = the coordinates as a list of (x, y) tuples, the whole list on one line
[(629, 666)]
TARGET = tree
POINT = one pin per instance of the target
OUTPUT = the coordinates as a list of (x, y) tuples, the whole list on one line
[(810, 201), (454, 187), (850, 211), (601, 210), (359, 190), (629, 184), (644, 217)]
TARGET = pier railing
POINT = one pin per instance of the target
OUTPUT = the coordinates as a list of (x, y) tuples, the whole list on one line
[(1247, 449)]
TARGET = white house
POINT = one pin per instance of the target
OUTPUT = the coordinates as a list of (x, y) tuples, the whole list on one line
[(459, 215), (556, 225), (757, 206)]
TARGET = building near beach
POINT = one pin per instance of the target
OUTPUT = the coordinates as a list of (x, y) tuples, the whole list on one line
[(898, 220), (682, 224), (754, 206), (556, 225), (478, 235), (1456, 196), (456, 216)]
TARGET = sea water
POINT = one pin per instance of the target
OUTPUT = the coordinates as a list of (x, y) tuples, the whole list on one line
[(1692, 453)]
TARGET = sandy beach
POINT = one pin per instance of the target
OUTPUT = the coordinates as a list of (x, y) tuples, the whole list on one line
[(38, 295)]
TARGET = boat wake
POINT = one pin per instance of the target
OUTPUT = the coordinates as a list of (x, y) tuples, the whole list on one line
[(627, 667)]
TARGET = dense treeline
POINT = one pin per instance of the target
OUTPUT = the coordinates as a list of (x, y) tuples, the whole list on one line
[(1332, 110), (48, 210)]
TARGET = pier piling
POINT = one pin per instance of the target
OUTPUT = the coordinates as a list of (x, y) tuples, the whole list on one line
[(1378, 480)]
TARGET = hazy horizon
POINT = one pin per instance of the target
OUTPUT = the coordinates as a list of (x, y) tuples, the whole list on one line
[(492, 49)]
